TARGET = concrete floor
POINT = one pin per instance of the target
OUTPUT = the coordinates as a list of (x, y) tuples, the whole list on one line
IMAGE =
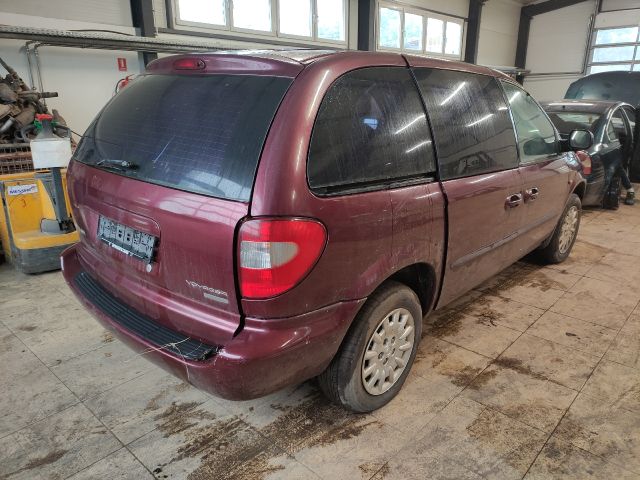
[(536, 374)]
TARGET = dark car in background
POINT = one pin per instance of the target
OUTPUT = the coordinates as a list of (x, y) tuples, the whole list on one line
[(612, 87), (613, 126), (608, 86)]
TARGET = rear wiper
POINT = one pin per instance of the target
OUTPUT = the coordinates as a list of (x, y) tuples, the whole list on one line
[(118, 164)]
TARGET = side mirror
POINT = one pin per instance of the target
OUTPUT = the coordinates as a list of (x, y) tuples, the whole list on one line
[(580, 140)]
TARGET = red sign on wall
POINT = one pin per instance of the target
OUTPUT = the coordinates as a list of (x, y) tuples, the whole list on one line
[(122, 64)]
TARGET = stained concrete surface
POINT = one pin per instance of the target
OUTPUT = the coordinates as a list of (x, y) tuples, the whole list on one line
[(535, 374)]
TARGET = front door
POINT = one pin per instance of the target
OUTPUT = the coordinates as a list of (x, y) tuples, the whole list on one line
[(628, 115), (615, 147), (477, 161), (543, 168)]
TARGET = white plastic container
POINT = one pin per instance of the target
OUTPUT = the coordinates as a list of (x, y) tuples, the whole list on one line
[(50, 152)]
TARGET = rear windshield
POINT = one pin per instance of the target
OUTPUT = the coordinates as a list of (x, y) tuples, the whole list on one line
[(566, 122), (202, 134)]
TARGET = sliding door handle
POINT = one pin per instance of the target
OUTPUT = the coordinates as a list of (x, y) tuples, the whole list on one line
[(514, 200), (531, 194)]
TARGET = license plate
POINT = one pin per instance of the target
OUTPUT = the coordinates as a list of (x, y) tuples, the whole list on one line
[(126, 239)]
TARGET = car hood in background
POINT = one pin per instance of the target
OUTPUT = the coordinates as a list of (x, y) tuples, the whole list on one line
[(620, 86)]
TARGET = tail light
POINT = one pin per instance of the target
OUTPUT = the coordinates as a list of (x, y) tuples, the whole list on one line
[(585, 160), (276, 254)]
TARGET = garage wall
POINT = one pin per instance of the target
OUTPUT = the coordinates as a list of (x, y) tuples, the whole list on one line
[(619, 18), (499, 33), (450, 7), (611, 5), (557, 43), (498, 26), (160, 17), (110, 12), (557, 46), (84, 79)]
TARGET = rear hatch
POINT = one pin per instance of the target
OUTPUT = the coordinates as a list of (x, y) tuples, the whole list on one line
[(160, 181)]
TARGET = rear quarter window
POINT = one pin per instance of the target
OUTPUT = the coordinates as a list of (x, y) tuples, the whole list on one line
[(536, 134), (371, 129), (471, 123), (198, 133)]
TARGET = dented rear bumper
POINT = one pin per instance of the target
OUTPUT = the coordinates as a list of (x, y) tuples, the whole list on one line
[(264, 356)]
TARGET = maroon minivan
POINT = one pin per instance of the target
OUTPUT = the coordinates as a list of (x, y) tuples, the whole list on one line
[(255, 220)]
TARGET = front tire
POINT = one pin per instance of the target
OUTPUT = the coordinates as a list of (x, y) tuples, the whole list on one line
[(378, 351), (565, 234)]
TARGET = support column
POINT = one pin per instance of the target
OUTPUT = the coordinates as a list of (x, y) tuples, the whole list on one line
[(367, 25), (142, 15), (473, 30), (523, 42)]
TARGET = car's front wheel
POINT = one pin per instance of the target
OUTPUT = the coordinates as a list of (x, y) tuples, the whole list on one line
[(378, 351), (564, 236)]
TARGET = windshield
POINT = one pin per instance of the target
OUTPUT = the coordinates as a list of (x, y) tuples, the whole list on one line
[(198, 133), (566, 122)]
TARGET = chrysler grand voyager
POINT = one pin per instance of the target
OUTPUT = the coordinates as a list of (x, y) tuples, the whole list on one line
[(255, 220)]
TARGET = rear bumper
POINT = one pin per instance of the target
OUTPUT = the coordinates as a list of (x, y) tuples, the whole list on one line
[(593, 193), (265, 356)]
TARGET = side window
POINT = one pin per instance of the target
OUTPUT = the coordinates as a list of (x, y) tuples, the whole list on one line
[(617, 128), (471, 124), (536, 135), (611, 133), (631, 117), (371, 129)]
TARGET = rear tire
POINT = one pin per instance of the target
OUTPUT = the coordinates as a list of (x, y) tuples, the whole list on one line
[(388, 329), (565, 234)]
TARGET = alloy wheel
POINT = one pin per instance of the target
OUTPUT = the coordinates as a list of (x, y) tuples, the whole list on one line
[(568, 229)]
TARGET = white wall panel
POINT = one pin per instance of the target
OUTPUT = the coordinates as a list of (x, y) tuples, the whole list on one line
[(160, 13), (110, 12), (549, 88), (499, 33), (84, 78), (557, 44), (619, 19), (557, 39), (608, 5), (451, 7), (498, 27), (353, 24), (19, 20), (160, 16)]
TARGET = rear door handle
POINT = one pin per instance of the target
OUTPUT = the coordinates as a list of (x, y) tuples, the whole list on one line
[(514, 200), (531, 194)]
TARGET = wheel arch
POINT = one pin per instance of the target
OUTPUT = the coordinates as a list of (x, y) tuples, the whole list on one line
[(580, 189), (419, 277)]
